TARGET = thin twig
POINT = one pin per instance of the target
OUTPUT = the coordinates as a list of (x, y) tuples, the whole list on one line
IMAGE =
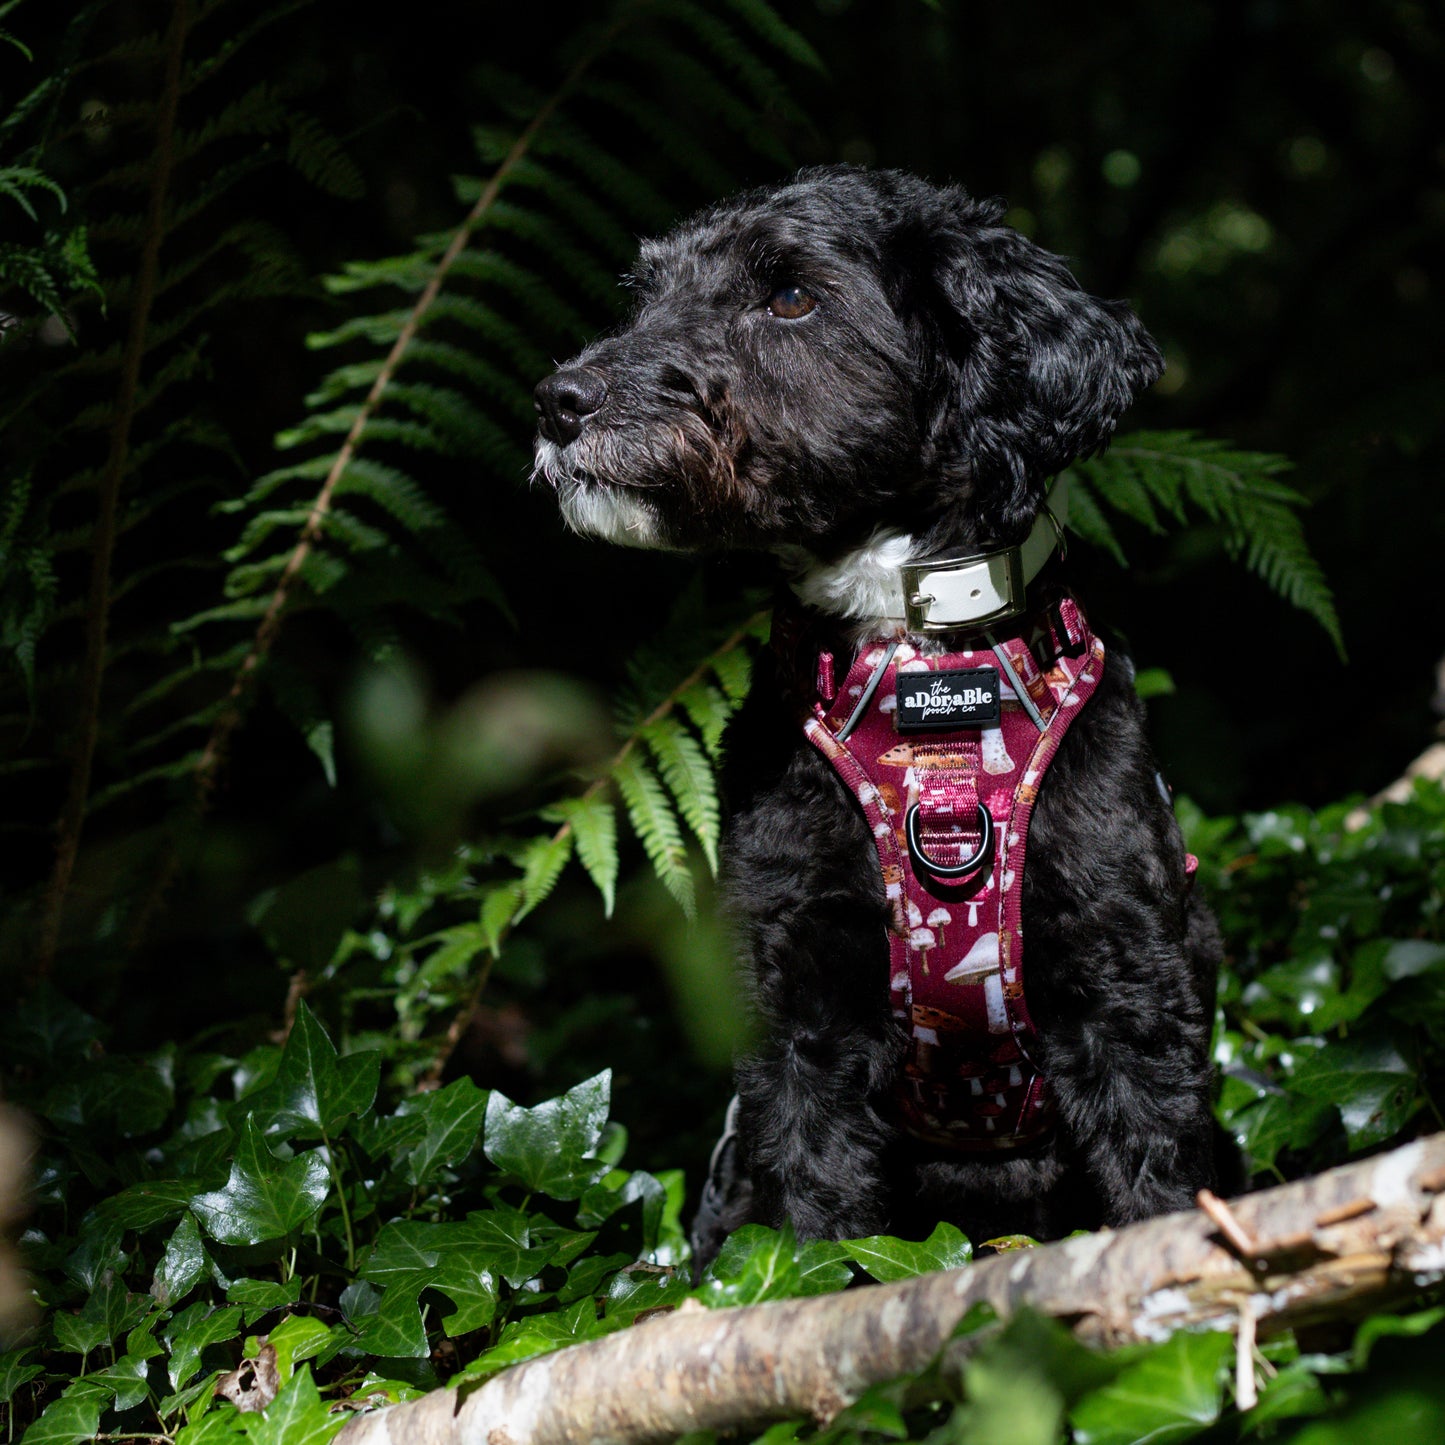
[(1238, 1238), (71, 823), (1246, 1394)]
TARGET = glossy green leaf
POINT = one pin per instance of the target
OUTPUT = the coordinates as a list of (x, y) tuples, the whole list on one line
[(126, 1379), (389, 1323), (108, 1312), (183, 1266), (1368, 1080), (314, 1090), (537, 1335), (500, 1240), (194, 1331), (887, 1259), (265, 1197), (549, 1148), (755, 1264), (16, 1370), (297, 1416), (1172, 1393), (73, 1418), (453, 1115), (303, 1337)]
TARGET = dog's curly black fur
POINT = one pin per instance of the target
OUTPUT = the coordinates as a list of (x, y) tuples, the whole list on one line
[(818, 368)]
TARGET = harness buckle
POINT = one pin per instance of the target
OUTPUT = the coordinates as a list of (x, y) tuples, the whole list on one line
[(954, 873)]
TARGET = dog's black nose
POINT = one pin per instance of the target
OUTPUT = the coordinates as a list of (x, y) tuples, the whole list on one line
[(564, 398)]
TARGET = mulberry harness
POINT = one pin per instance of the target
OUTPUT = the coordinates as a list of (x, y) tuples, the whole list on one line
[(945, 753)]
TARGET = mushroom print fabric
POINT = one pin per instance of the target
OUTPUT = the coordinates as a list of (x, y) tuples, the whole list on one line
[(965, 794)]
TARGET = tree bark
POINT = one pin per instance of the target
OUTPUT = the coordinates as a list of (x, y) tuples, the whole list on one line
[(1347, 1241)]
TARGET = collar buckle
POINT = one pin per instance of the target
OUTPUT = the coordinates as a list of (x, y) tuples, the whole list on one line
[(954, 592)]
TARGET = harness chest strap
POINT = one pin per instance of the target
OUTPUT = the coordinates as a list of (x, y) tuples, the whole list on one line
[(949, 812)]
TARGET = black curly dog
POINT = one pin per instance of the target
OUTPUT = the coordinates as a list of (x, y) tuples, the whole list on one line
[(855, 369)]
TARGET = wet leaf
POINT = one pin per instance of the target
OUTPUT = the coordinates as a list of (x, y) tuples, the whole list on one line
[(887, 1259), (265, 1197), (549, 1148)]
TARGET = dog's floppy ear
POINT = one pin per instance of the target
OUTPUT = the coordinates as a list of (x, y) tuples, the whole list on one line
[(1038, 373)]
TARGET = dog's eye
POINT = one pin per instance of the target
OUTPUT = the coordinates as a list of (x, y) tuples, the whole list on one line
[(791, 302)]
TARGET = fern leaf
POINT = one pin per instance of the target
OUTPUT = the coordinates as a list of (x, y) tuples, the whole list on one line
[(1237, 489), (766, 22), (585, 215), (593, 821), (498, 912), (542, 862), (734, 670), (321, 158), (663, 133), (1088, 521), (688, 775), (656, 826), (709, 712), (392, 489)]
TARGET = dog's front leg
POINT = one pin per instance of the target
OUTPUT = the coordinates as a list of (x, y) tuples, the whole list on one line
[(1120, 965), (807, 900)]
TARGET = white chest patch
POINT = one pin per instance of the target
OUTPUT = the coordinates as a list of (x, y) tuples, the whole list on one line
[(864, 585)]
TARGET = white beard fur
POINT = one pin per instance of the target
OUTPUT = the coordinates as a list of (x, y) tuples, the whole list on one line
[(597, 511)]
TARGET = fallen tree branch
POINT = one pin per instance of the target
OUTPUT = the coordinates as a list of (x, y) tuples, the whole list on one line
[(1353, 1239)]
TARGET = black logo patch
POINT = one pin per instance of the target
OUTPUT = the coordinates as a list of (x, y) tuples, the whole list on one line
[(967, 697)]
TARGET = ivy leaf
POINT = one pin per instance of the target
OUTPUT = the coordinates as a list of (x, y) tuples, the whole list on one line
[(887, 1259), (142, 1205), (452, 1116), (1172, 1393), (499, 1240), (314, 1090), (126, 1379), (297, 1416), (535, 1335), (15, 1371), (391, 1325), (192, 1332), (300, 1337), (756, 1263), (183, 1266), (1368, 1080), (109, 1311), (549, 1148), (265, 1198), (822, 1267), (1279, 1121), (73, 1418), (260, 1296)]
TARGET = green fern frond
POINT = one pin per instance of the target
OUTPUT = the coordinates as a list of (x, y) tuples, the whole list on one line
[(542, 862), (656, 826), (593, 821), (1236, 489), (709, 712), (689, 778), (768, 25), (318, 156)]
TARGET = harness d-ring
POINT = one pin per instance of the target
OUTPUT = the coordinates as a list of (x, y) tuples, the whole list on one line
[(952, 871)]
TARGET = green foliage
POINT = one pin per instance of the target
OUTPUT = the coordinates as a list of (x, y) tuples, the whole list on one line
[(1331, 1022), (1145, 474)]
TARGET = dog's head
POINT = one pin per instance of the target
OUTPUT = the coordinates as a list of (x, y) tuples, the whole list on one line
[(851, 348)]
